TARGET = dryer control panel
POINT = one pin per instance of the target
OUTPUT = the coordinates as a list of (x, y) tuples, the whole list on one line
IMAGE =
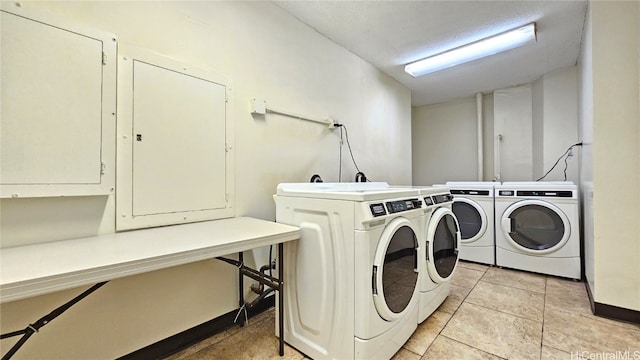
[(532, 193), (471, 192)]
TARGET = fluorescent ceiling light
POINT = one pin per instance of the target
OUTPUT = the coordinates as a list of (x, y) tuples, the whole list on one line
[(479, 49)]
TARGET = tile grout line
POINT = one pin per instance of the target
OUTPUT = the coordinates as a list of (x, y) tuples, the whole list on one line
[(474, 286), (544, 307), (491, 282), (445, 324), (473, 347), (451, 317), (506, 313), (513, 287), (503, 312), (458, 308), (439, 332), (543, 318)]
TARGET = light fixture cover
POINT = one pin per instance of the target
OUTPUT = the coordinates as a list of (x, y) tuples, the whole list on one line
[(482, 48)]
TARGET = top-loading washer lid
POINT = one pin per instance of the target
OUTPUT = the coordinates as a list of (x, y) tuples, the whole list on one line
[(345, 191)]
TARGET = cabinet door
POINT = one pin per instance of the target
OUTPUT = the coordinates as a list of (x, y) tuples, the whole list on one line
[(58, 106), (174, 155)]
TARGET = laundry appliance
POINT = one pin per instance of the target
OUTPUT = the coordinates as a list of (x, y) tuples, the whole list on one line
[(537, 227), (351, 285), (473, 205), (439, 249)]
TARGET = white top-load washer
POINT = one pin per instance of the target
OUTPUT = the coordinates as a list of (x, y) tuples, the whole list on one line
[(473, 204), (537, 227), (351, 288), (439, 249)]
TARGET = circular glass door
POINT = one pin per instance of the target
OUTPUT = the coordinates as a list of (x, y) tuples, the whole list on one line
[(443, 242), (395, 269), (535, 226), (471, 218)]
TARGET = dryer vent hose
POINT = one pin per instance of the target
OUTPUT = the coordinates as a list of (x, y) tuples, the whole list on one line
[(316, 179), (360, 177)]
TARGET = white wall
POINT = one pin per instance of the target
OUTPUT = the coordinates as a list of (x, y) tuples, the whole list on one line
[(555, 125), (445, 143), (538, 122), (610, 109), (560, 126), (269, 55), (585, 124)]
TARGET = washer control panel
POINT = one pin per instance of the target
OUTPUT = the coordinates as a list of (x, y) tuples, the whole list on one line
[(396, 206), (377, 210), (442, 198)]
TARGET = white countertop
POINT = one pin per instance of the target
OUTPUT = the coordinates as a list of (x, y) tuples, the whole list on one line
[(27, 271)]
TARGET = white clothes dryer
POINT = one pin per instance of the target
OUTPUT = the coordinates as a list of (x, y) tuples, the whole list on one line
[(439, 249), (537, 227), (351, 289), (473, 204)]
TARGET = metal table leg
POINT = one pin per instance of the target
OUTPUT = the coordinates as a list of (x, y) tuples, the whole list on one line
[(281, 297), (241, 285), (276, 284)]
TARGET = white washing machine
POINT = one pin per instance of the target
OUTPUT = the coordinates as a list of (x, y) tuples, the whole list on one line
[(351, 285), (537, 227), (439, 249), (473, 204)]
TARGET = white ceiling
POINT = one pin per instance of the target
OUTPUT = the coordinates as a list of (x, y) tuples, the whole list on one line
[(389, 34)]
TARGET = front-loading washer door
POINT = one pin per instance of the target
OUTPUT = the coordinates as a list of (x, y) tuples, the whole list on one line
[(535, 226), (442, 244), (395, 269), (471, 218)]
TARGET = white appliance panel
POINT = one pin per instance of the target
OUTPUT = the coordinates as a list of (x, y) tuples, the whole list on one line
[(341, 235), (318, 294), (538, 228), (474, 207), (432, 293)]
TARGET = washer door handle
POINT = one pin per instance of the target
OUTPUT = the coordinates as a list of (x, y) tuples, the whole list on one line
[(427, 251), (374, 278), (506, 225)]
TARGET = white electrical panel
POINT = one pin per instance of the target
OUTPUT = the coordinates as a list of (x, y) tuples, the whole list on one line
[(58, 106), (175, 163)]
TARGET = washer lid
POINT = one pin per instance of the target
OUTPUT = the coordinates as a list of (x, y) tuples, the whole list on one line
[(346, 191)]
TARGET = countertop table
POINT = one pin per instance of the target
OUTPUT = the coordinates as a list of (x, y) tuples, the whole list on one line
[(32, 270)]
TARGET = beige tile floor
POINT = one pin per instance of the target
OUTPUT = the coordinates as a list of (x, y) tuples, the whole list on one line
[(491, 313)]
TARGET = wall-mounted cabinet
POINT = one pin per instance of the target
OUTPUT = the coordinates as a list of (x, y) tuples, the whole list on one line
[(175, 131), (58, 106)]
